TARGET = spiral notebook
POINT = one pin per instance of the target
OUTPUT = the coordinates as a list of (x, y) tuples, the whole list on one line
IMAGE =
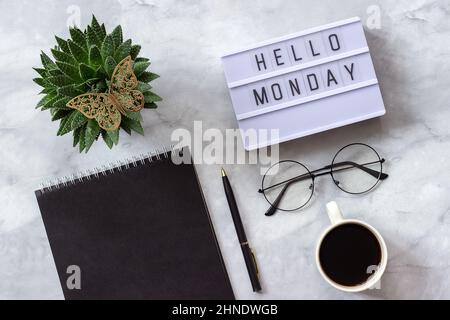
[(138, 230)]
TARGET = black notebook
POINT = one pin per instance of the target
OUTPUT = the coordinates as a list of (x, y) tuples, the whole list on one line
[(139, 230)]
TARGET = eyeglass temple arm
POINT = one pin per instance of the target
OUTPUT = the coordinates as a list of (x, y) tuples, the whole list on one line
[(273, 207), (374, 173)]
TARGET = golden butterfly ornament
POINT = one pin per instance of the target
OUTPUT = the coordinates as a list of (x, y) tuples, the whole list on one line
[(122, 97)]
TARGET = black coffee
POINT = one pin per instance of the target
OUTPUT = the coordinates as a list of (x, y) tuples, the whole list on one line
[(347, 252)]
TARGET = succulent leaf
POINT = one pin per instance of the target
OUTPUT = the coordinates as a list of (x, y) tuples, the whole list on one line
[(55, 72), (82, 139), (59, 81), (141, 59), (76, 136), (140, 67), (142, 86), (151, 97), (135, 49), (107, 49), (99, 32), (64, 57), (91, 134), (151, 105), (46, 99), (92, 38), (65, 124), (148, 76), (133, 125), (47, 62), (136, 116), (77, 120), (59, 114), (69, 91), (114, 136), (117, 36), (110, 65), (69, 70), (62, 44), (41, 82), (122, 51), (42, 72), (107, 139), (103, 30), (59, 103), (78, 37), (95, 57), (86, 71), (78, 52)]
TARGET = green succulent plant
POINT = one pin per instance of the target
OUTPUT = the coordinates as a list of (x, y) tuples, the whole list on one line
[(84, 64)]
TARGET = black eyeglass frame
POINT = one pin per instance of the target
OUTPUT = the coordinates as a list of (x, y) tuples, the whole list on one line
[(379, 175)]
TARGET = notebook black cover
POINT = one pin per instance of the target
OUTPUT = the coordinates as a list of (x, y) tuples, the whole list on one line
[(140, 231)]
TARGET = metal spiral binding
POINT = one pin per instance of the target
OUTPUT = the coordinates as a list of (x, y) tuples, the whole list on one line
[(111, 168)]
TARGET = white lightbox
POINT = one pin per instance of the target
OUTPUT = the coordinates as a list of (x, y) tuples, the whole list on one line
[(304, 83)]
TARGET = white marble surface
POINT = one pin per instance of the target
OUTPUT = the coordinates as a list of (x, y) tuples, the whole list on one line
[(185, 40)]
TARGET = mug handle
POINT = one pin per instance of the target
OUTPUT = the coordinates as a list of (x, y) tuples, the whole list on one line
[(334, 213)]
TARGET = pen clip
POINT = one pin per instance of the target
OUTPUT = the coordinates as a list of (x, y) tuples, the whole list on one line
[(254, 261)]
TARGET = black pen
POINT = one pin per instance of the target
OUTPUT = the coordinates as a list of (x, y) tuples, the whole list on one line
[(249, 257)]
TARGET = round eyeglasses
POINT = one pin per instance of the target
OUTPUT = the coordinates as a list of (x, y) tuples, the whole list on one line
[(289, 185)]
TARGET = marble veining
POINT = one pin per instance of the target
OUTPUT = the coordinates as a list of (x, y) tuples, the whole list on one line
[(185, 39)]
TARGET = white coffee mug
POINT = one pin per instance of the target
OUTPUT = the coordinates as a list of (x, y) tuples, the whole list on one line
[(337, 220)]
